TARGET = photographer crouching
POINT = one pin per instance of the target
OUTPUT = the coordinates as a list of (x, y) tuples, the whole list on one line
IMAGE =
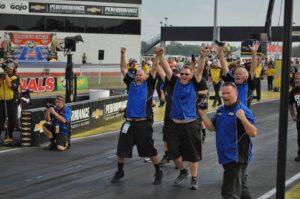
[(58, 130), (9, 84)]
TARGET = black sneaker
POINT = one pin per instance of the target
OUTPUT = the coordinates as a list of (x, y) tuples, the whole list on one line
[(158, 177), (182, 176), (164, 162), (51, 146), (297, 159), (194, 184), (118, 175)]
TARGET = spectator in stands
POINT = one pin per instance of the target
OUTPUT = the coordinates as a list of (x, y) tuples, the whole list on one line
[(9, 84), (146, 67), (216, 78), (258, 76), (270, 72), (58, 126)]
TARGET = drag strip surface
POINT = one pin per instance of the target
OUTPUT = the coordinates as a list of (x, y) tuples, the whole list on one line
[(85, 170)]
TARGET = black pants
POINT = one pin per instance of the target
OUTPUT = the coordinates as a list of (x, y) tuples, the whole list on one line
[(12, 108), (217, 94), (258, 88), (235, 181), (298, 131), (270, 83)]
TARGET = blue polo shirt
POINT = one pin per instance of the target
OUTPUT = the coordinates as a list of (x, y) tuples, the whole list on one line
[(184, 98), (65, 113), (139, 102), (232, 142)]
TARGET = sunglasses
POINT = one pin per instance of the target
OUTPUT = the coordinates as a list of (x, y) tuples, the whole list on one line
[(184, 74)]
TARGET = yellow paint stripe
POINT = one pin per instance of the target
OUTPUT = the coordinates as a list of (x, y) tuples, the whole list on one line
[(293, 193)]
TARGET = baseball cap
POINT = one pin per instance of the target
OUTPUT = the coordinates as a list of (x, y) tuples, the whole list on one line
[(131, 61)]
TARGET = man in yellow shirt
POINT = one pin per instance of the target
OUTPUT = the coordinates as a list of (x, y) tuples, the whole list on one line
[(215, 75), (270, 72), (258, 75), (9, 84)]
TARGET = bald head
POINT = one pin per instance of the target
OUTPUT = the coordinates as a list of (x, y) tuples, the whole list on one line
[(241, 75), (140, 76)]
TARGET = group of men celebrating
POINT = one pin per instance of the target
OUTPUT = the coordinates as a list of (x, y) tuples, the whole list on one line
[(233, 123)]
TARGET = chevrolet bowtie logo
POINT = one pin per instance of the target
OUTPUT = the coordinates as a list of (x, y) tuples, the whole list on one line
[(38, 7), (38, 126), (93, 10), (97, 113)]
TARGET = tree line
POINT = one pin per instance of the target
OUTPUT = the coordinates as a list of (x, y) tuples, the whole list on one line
[(176, 48)]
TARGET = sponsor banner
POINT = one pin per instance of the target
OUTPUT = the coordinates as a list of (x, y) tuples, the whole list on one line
[(274, 51), (82, 83), (16, 7), (121, 11), (86, 115), (42, 84), (112, 109), (83, 9)]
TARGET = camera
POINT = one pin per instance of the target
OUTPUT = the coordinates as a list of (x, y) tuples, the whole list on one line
[(202, 102), (219, 43), (193, 58), (48, 105), (70, 42)]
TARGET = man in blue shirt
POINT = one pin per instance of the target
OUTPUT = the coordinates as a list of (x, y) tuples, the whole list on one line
[(59, 129), (234, 124), (241, 77), (183, 138), (137, 129)]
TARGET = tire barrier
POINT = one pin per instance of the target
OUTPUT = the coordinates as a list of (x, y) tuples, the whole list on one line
[(26, 128)]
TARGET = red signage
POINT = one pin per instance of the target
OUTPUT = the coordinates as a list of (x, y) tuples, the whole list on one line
[(42, 84), (37, 39)]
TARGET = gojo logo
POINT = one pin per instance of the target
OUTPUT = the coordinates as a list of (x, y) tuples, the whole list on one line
[(20, 7), (2, 6)]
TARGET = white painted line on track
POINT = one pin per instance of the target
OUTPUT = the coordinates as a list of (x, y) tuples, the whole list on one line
[(287, 183), (8, 150)]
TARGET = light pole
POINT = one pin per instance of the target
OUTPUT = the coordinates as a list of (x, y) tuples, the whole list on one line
[(166, 18), (215, 35)]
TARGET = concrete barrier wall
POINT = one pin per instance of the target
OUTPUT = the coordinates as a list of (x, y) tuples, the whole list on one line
[(86, 115)]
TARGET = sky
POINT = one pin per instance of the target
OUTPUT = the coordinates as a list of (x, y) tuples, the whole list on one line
[(201, 13)]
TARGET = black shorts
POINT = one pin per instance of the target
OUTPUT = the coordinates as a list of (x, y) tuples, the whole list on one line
[(60, 139), (184, 140), (165, 128), (139, 134)]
